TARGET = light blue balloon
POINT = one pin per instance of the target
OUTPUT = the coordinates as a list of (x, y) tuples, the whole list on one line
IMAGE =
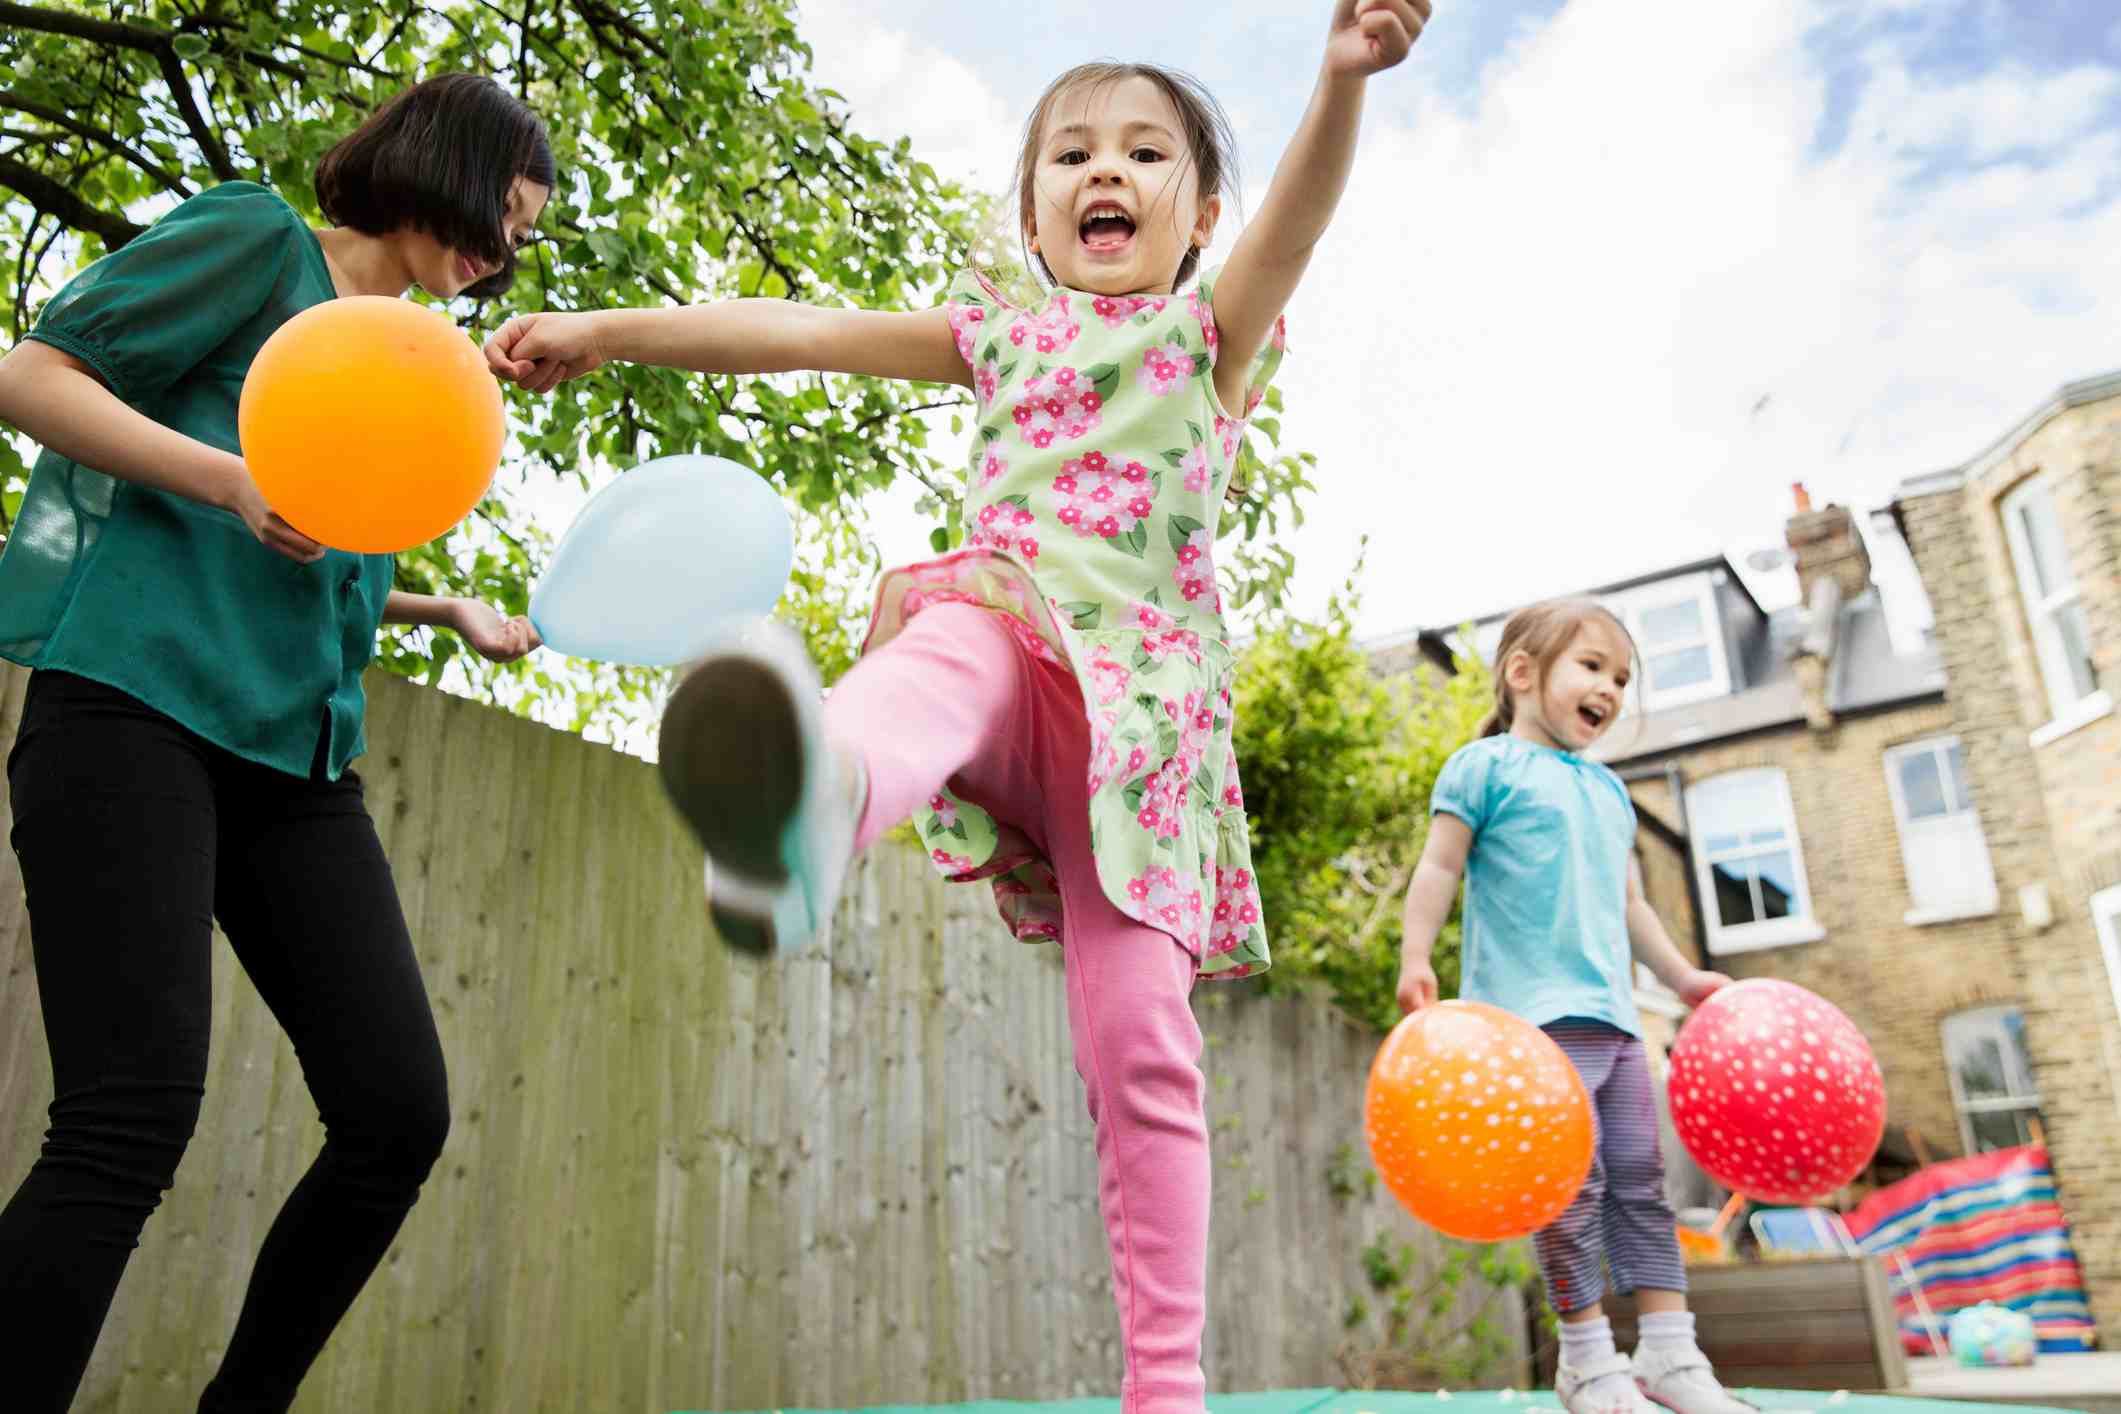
[(665, 562)]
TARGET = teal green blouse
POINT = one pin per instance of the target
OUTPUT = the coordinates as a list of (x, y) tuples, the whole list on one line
[(169, 600)]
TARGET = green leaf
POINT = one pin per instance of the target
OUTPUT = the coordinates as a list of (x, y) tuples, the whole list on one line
[(1104, 378), (1135, 542), (1182, 529), (1083, 613), (190, 47), (939, 539)]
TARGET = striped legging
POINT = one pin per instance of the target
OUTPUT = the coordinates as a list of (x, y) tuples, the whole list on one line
[(1620, 1219)]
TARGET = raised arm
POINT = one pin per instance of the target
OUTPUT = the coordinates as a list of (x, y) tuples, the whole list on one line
[(1270, 257), (539, 351), (1429, 898)]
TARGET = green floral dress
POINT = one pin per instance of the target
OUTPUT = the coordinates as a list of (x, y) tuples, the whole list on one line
[(1093, 490)]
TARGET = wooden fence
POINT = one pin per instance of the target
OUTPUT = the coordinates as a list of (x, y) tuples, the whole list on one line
[(679, 1180)]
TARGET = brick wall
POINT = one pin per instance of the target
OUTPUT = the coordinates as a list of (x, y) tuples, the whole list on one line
[(2052, 813), (1897, 982)]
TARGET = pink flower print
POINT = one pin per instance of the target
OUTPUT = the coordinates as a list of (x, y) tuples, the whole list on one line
[(1233, 793), (1195, 574), (992, 468), (1226, 430), (1116, 310), (1109, 677), (1149, 616), (1061, 404), (1165, 367), (1236, 910), (1182, 641), (985, 383), (945, 809), (1195, 465), (955, 863), (1049, 331), (965, 320), (1205, 313), (1163, 897), (1000, 525), (1098, 499)]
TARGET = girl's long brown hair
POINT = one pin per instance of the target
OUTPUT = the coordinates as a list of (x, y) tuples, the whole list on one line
[(1544, 631)]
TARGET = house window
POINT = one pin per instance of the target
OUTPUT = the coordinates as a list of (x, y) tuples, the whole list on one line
[(1750, 863), (2106, 916), (2052, 606), (1941, 844), (1992, 1079), (1678, 631)]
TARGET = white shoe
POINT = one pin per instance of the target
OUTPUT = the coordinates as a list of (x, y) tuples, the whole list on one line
[(743, 756), (1682, 1380), (1605, 1386)]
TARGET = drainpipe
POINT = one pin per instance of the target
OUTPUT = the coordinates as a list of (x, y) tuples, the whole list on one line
[(1675, 782)]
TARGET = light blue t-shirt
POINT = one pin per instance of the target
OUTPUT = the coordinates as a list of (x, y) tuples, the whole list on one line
[(1546, 931)]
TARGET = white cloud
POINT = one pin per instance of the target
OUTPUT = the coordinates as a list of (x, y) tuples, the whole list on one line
[(1598, 319)]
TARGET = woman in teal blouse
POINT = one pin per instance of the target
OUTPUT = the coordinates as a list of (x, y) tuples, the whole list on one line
[(195, 700)]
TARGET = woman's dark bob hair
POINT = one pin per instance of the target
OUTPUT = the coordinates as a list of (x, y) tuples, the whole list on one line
[(440, 157)]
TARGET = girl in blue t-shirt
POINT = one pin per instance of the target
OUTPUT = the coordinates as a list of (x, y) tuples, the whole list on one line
[(1554, 920)]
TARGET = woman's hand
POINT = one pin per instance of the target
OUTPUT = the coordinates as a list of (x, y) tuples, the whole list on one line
[(492, 637), (264, 522), (538, 352), (1369, 36)]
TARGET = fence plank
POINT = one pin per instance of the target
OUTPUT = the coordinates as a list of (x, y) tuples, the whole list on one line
[(681, 1179)]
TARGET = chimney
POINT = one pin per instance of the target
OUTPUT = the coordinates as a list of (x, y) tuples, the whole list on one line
[(1826, 545)]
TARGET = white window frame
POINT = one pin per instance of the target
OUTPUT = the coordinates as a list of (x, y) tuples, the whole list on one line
[(2106, 919), (1632, 605), (1981, 901), (2007, 1104), (2067, 708), (1799, 927)]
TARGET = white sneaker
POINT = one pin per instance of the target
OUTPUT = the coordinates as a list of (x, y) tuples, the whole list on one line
[(743, 757), (1682, 1380), (1604, 1386)]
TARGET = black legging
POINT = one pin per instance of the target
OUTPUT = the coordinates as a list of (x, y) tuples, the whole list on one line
[(134, 834)]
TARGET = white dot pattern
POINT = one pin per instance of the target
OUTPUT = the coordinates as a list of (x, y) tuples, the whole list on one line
[(1775, 1092), (1477, 1122)]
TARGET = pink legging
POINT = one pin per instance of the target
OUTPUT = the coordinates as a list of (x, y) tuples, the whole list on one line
[(955, 699)]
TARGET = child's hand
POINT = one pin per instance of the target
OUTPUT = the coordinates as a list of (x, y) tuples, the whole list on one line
[(1417, 984), (538, 352), (492, 637), (1698, 986), (1368, 36)]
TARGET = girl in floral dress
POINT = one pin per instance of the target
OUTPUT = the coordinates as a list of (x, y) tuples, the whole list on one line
[(1052, 701)]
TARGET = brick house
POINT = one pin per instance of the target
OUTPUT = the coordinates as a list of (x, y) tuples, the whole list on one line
[(1927, 833)]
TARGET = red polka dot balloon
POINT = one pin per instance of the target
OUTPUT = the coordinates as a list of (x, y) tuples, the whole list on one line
[(1775, 1092)]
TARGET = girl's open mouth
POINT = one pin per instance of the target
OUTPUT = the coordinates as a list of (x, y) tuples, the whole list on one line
[(1106, 227)]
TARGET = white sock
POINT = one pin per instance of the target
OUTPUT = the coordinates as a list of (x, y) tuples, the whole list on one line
[(1666, 1330), (1585, 1342)]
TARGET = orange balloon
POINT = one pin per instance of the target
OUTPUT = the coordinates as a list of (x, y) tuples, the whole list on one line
[(370, 424), (1477, 1122)]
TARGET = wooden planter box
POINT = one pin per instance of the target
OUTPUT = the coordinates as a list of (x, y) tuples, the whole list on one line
[(1815, 1323)]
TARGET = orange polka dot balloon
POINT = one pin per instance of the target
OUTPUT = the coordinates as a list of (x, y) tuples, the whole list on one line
[(1775, 1092), (370, 424), (1477, 1122)]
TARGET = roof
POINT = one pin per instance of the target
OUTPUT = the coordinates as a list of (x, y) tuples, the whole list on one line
[(1868, 675), (1701, 565), (2069, 395)]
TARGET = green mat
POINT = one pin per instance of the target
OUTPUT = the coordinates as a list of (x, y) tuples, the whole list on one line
[(1330, 1401)]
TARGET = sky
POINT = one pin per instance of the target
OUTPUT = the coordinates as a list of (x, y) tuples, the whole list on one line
[(1612, 274)]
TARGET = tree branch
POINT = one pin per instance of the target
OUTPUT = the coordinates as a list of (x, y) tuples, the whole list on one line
[(55, 199), (170, 181), (202, 132), (112, 32)]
